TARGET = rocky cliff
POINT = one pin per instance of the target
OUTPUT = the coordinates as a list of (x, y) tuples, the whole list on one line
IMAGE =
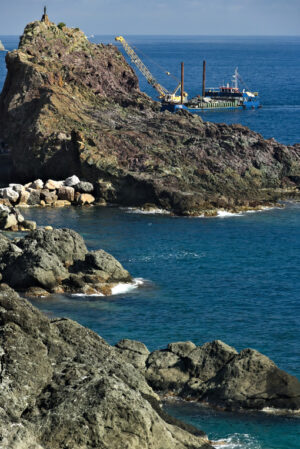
[(216, 374), (63, 386), (69, 106)]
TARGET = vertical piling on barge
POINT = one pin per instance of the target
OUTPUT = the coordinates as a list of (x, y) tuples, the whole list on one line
[(203, 78), (182, 82)]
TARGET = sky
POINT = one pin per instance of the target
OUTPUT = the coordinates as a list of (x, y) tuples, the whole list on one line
[(194, 17)]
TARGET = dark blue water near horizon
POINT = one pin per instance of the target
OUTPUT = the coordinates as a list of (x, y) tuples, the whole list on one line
[(270, 65), (235, 278)]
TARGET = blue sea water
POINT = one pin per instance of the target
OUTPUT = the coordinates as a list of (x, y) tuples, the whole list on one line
[(235, 278)]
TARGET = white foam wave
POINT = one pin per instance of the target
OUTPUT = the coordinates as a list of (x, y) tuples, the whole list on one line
[(225, 213), (237, 441), (278, 411), (151, 211), (84, 294), (123, 287)]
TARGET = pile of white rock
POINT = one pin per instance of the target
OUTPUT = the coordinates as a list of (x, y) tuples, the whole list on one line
[(12, 220), (51, 193)]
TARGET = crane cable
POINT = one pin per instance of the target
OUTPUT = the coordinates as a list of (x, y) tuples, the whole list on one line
[(138, 50)]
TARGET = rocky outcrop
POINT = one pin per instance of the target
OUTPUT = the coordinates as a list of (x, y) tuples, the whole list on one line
[(64, 386), (57, 261), (217, 374), (69, 106)]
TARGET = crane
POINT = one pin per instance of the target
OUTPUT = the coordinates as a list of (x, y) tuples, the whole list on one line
[(164, 94)]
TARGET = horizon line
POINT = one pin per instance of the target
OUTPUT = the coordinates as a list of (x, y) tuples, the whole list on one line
[(190, 35)]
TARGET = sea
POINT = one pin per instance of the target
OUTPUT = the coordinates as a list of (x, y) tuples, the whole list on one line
[(235, 277)]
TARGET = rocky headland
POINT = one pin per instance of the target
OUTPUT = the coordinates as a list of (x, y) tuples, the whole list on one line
[(72, 107), (49, 261)]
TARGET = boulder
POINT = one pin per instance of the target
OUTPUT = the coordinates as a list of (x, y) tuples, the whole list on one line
[(29, 225), (63, 386), (182, 348), (166, 372), (35, 267), (48, 196), (34, 197), (105, 265), (66, 193), (66, 244), (71, 181), (85, 198), (205, 361), (84, 187), (17, 187), (24, 197), (134, 351), (252, 381), (53, 185), (10, 194), (61, 203), (37, 184)]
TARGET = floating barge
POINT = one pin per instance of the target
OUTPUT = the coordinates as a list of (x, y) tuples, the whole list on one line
[(223, 97)]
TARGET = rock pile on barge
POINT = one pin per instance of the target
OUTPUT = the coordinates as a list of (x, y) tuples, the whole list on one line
[(72, 107)]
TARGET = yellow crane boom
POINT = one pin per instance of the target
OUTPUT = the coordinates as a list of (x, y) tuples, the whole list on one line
[(164, 94)]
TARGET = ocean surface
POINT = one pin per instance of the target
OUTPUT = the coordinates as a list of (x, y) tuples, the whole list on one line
[(235, 277)]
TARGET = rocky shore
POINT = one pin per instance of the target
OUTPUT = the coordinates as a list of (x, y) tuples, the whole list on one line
[(72, 107), (50, 193), (63, 386), (215, 374), (57, 261)]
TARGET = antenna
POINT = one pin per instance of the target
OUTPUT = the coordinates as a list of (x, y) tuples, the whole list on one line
[(235, 78)]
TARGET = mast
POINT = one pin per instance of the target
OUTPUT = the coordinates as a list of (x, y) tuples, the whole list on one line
[(235, 78)]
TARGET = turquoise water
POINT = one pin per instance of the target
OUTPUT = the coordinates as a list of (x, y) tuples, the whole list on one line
[(235, 278)]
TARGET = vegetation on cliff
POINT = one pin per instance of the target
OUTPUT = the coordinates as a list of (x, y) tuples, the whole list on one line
[(69, 106)]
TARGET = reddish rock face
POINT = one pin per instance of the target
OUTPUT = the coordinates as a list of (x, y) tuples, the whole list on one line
[(71, 107)]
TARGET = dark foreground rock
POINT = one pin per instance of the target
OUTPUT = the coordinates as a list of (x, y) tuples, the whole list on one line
[(72, 107), (216, 374), (63, 386), (57, 261)]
